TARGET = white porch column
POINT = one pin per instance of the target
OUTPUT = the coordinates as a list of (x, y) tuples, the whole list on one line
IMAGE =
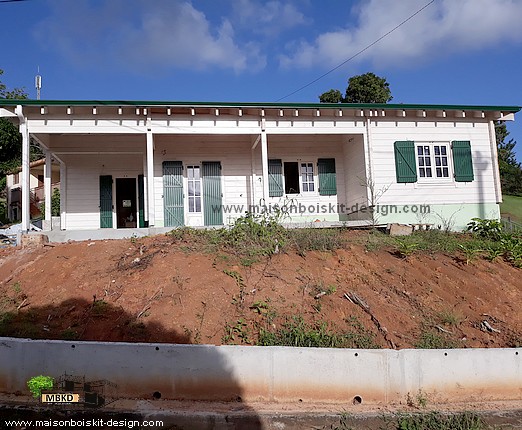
[(26, 190), (63, 196), (264, 160), (145, 190), (367, 145), (150, 175), (47, 186)]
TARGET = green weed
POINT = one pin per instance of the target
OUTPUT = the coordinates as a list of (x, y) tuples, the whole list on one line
[(296, 332), (439, 421), (430, 339)]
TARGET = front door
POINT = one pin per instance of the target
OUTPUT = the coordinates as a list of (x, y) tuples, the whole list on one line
[(126, 206)]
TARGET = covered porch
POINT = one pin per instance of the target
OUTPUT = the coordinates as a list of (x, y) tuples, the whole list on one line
[(144, 168)]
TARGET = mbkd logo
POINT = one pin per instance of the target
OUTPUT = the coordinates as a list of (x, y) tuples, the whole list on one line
[(60, 398)]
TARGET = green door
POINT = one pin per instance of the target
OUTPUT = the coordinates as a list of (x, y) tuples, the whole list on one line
[(212, 197), (106, 201), (173, 193), (141, 201)]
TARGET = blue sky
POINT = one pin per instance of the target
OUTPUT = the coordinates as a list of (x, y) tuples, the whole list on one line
[(453, 52)]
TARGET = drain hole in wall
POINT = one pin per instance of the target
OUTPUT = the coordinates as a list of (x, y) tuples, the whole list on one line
[(156, 395), (73, 346), (357, 354), (445, 354), (516, 352), (157, 348), (357, 400)]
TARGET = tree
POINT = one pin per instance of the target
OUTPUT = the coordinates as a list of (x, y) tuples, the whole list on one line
[(510, 168), (367, 88), (10, 137), (332, 96)]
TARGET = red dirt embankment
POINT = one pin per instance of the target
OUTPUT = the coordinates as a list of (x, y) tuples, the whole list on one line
[(153, 290)]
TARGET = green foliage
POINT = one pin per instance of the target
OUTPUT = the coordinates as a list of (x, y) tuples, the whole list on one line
[(254, 234), (430, 339), (3, 211), (512, 207), (450, 318), (405, 247), (10, 138), (332, 96), (510, 168), (366, 88), (237, 333), (439, 421), (470, 251), (296, 332), (40, 383), (490, 228), (315, 239), (55, 204)]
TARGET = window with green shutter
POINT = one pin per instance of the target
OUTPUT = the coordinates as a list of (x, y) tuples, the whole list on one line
[(275, 178), (405, 167), (462, 161), (327, 176)]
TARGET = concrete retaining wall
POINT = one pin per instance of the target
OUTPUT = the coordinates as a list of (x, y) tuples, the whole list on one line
[(205, 372)]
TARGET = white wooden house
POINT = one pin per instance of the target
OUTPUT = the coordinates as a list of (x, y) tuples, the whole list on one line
[(142, 164)]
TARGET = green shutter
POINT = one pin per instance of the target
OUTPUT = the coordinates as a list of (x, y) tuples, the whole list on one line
[(327, 176), (106, 201), (173, 208), (212, 194), (405, 166), (462, 161), (141, 201), (275, 178)]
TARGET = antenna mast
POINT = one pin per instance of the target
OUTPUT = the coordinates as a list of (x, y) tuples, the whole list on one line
[(38, 84)]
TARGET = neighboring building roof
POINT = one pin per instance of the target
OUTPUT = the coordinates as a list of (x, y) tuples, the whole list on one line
[(37, 163), (27, 102)]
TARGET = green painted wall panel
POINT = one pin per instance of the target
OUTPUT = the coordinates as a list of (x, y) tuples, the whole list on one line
[(173, 194), (327, 176), (405, 166), (462, 161), (106, 201), (212, 194)]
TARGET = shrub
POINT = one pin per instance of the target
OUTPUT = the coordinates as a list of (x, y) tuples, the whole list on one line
[(37, 384), (489, 228)]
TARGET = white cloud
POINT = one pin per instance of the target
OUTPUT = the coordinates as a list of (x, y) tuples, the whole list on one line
[(268, 18), (146, 35), (445, 27)]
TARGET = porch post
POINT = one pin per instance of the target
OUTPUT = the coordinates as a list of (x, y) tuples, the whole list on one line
[(367, 145), (26, 197), (63, 195), (264, 160), (150, 175), (47, 186)]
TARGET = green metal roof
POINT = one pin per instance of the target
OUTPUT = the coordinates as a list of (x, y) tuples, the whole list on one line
[(28, 102)]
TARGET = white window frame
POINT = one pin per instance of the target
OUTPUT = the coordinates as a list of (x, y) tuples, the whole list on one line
[(432, 156), (300, 178), (194, 181)]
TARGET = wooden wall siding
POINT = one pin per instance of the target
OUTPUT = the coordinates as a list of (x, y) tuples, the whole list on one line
[(234, 153), (385, 133), (83, 185), (308, 148), (355, 173)]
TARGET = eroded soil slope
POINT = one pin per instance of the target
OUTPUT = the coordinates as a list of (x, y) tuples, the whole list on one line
[(153, 290)]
